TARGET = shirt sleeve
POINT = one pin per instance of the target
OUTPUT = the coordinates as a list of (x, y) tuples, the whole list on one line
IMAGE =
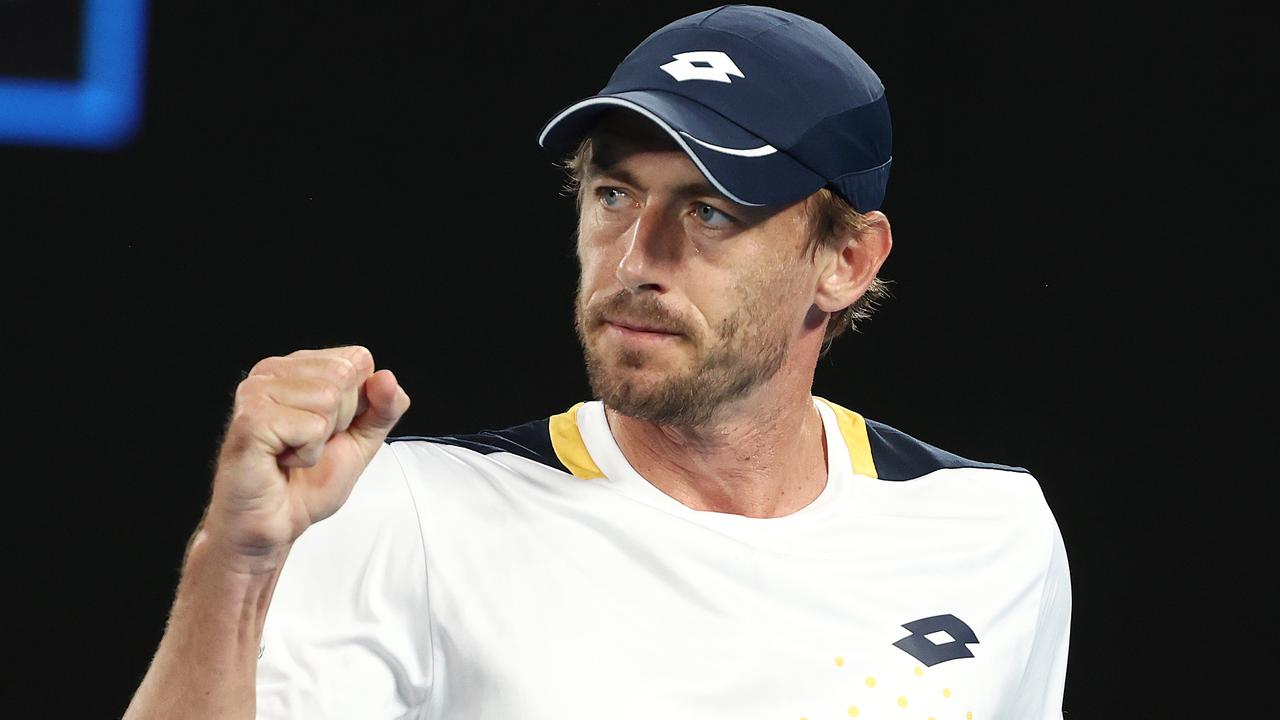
[(1043, 681), (348, 631)]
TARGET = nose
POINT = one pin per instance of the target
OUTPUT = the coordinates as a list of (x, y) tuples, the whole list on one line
[(652, 247)]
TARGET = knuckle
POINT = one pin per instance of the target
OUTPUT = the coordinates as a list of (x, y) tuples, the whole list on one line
[(330, 395), (265, 365), (345, 370), (249, 410), (317, 426), (249, 387)]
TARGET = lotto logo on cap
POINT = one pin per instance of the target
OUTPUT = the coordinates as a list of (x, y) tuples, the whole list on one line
[(770, 105)]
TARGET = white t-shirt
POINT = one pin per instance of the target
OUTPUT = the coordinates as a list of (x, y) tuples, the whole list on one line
[(532, 574)]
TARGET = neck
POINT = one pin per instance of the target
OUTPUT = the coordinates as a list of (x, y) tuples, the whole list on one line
[(762, 456)]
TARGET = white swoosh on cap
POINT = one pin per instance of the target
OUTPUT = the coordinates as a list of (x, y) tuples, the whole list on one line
[(748, 152), (675, 136)]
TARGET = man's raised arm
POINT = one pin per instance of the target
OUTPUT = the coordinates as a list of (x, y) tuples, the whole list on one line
[(303, 428)]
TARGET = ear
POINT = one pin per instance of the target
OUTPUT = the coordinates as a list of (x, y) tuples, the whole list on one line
[(848, 269)]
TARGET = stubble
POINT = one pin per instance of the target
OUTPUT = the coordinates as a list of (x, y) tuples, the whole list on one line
[(746, 349)]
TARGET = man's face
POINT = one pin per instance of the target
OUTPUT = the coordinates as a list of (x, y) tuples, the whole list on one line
[(687, 301)]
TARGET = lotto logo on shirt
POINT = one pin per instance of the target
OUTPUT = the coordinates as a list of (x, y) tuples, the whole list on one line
[(937, 639), (933, 641)]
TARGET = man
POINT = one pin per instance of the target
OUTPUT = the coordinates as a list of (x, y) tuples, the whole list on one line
[(705, 540)]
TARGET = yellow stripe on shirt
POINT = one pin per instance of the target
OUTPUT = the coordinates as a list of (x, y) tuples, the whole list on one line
[(854, 431), (567, 442)]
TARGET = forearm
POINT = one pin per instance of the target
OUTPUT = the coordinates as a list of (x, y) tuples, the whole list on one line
[(207, 661)]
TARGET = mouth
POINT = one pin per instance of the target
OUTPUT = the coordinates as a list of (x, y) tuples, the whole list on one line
[(629, 328)]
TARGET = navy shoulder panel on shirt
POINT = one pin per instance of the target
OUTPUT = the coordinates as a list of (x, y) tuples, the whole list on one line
[(531, 440), (898, 456)]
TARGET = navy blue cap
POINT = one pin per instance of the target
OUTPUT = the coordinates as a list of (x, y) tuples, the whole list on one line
[(770, 105)]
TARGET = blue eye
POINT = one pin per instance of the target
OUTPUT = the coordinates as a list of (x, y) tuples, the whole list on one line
[(611, 197), (711, 216)]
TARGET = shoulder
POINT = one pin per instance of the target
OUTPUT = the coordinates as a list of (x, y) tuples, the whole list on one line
[(530, 441), (899, 456), (554, 445), (1001, 506), (887, 453), (922, 480)]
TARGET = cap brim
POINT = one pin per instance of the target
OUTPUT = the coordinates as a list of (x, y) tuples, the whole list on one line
[(744, 167)]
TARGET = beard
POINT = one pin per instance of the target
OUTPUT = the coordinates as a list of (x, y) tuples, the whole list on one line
[(745, 351)]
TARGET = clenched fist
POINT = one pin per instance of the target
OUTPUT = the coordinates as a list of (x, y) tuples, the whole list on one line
[(303, 428)]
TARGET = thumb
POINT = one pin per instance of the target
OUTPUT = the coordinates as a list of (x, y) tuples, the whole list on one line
[(387, 403)]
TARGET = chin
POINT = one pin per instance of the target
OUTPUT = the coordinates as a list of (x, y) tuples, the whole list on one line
[(663, 397)]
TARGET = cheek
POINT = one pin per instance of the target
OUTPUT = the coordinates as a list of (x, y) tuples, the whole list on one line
[(596, 263), (774, 300), (592, 237)]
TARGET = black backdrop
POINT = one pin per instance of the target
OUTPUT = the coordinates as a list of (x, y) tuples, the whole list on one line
[(1077, 202)]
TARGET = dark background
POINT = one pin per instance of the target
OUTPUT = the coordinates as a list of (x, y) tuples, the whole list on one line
[(1080, 272)]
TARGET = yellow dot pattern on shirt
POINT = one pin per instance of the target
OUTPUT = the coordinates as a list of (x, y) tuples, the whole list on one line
[(902, 701)]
